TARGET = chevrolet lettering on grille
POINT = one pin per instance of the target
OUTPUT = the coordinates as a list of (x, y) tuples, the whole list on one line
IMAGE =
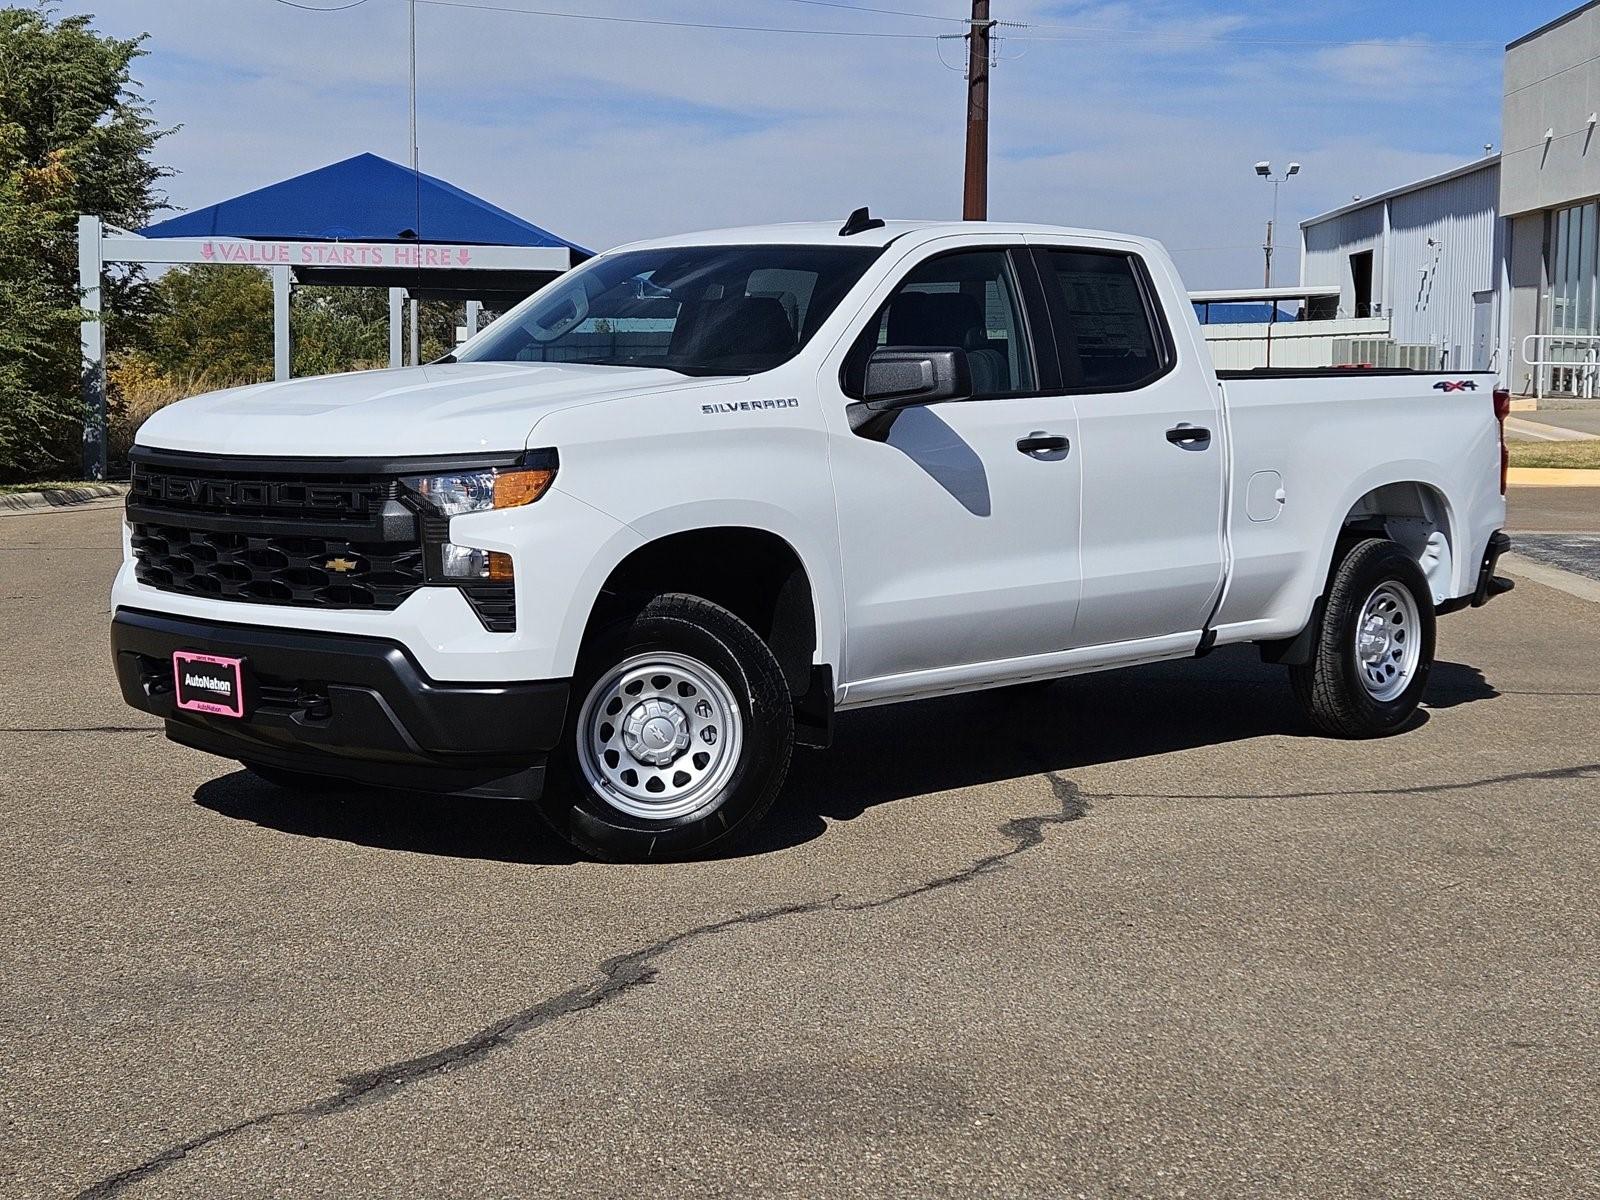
[(250, 493)]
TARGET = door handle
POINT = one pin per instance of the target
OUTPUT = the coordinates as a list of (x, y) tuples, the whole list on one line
[(1190, 437), (1038, 444)]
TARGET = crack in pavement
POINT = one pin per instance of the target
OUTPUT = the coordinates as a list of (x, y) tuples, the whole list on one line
[(637, 968), (1581, 771), (618, 976)]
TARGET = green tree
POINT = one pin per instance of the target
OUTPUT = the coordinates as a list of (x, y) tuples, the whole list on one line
[(38, 398), (212, 325), (339, 329), (75, 137)]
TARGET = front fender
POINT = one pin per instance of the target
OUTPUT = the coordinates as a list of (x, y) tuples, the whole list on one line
[(816, 557)]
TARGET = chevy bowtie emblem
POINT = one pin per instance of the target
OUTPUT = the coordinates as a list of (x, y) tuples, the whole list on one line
[(341, 565)]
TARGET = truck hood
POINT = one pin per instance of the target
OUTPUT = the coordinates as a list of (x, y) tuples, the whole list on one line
[(447, 408)]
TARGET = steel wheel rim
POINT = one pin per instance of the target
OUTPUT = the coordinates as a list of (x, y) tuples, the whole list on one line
[(658, 735), (1388, 641)]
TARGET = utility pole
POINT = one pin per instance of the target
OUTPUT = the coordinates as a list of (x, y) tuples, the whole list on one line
[(975, 198)]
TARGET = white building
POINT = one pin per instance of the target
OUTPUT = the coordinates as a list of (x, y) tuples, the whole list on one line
[(1426, 259), (1496, 264), (1550, 198)]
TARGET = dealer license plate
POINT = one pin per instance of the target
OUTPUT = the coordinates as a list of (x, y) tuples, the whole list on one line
[(209, 683)]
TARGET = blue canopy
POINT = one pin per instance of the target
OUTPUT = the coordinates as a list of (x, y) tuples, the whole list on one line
[(362, 199)]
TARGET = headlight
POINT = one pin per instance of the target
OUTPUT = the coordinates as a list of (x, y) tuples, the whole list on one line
[(452, 493), (443, 494)]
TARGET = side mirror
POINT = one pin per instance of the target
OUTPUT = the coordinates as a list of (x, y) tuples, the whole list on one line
[(901, 376)]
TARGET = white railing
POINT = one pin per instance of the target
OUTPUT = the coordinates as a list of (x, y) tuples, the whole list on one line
[(1583, 350)]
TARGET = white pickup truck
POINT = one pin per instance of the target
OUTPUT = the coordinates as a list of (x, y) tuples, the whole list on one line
[(664, 519)]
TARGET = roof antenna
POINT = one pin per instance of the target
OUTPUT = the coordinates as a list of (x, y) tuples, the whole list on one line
[(859, 222)]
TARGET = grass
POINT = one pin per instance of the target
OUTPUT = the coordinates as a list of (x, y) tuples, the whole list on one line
[(1570, 455)]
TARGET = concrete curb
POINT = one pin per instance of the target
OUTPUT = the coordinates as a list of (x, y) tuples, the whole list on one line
[(71, 497), (1552, 477), (1569, 582), (1538, 431)]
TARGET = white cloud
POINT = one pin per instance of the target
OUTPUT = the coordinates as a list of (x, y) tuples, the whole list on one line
[(605, 133)]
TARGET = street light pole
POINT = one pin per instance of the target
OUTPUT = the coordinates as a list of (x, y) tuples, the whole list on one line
[(1264, 169), (1271, 225)]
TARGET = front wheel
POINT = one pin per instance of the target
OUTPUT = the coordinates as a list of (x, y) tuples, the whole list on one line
[(679, 737), (1374, 647)]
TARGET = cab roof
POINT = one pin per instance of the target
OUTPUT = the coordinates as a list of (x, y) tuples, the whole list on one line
[(827, 233)]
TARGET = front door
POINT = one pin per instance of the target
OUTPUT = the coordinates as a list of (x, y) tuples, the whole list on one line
[(1151, 448), (959, 529)]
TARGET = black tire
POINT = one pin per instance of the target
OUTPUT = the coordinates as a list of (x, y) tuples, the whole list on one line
[(1329, 687), (293, 781), (712, 636)]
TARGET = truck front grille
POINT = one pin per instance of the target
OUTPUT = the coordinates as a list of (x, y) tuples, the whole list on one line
[(312, 571), (275, 531)]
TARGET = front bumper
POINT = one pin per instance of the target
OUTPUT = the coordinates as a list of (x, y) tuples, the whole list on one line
[(356, 708)]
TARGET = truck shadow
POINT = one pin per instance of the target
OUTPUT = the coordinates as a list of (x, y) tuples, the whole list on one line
[(417, 822), (886, 754), (879, 755)]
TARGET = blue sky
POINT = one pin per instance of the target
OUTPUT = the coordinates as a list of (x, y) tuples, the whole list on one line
[(1140, 116)]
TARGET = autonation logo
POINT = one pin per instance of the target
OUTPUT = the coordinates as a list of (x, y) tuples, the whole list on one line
[(209, 683)]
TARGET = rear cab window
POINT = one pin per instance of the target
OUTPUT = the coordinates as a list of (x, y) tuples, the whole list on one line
[(1109, 335)]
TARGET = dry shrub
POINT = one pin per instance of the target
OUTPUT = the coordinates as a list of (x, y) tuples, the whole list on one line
[(136, 389)]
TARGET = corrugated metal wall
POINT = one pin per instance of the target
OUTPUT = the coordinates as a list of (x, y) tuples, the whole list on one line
[(1426, 290), (1430, 288), (1294, 344), (1329, 245)]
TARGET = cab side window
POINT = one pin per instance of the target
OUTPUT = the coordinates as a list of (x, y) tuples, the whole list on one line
[(1110, 342), (962, 301)]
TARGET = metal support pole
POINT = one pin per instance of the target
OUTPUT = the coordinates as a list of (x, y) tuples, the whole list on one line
[(474, 312), (92, 341), (416, 341), (397, 309), (281, 285)]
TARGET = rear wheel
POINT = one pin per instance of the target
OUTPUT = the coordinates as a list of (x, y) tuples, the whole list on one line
[(679, 737), (1374, 647)]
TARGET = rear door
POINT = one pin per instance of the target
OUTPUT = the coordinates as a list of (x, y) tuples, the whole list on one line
[(1151, 446)]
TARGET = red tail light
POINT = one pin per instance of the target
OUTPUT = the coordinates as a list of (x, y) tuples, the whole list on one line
[(1502, 410)]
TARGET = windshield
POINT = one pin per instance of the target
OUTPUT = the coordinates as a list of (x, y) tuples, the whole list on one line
[(701, 310)]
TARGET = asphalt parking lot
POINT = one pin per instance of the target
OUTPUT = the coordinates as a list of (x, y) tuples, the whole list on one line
[(1135, 934)]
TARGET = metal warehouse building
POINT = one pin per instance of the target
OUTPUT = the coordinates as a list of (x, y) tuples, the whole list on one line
[(1496, 264), (1423, 262)]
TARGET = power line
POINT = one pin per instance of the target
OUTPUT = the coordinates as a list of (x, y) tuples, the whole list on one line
[(322, 8), (891, 12), (1070, 33), (572, 16), (1030, 32)]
